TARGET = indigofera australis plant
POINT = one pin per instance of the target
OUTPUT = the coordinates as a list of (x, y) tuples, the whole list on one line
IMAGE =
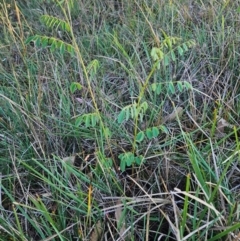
[(162, 56), (165, 54)]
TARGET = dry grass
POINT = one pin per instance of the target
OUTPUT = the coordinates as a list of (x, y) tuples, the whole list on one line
[(114, 158)]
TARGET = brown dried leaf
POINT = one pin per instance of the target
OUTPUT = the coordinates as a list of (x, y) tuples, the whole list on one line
[(118, 216), (221, 124), (97, 232), (237, 237), (69, 159), (178, 112)]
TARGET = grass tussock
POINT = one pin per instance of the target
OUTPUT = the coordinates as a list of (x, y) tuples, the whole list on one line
[(119, 120)]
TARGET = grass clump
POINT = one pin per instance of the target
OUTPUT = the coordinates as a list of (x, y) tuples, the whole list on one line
[(119, 120)]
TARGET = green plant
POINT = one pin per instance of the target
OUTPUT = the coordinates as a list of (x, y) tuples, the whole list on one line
[(128, 159), (85, 96), (137, 110)]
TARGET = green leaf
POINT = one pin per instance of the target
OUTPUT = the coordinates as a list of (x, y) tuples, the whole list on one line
[(152, 132), (70, 49), (157, 54), (141, 117), (173, 56), (30, 39), (140, 136), (62, 48), (93, 120), (154, 87), (171, 87), (58, 44), (191, 43), (144, 106), (109, 162), (139, 160), (120, 156), (67, 27), (166, 60), (38, 41), (121, 116), (108, 133), (160, 54), (134, 111), (154, 54), (127, 114), (187, 85), (122, 165), (149, 133), (155, 132), (55, 23), (129, 159), (180, 50), (44, 41), (169, 42), (75, 86), (185, 46), (93, 67), (53, 46), (87, 120), (159, 89), (163, 129), (90, 119), (78, 121), (180, 86)]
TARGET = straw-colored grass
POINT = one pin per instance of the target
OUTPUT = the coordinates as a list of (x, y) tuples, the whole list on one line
[(119, 120)]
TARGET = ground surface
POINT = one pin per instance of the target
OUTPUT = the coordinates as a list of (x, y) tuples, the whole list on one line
[(119, 120)]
